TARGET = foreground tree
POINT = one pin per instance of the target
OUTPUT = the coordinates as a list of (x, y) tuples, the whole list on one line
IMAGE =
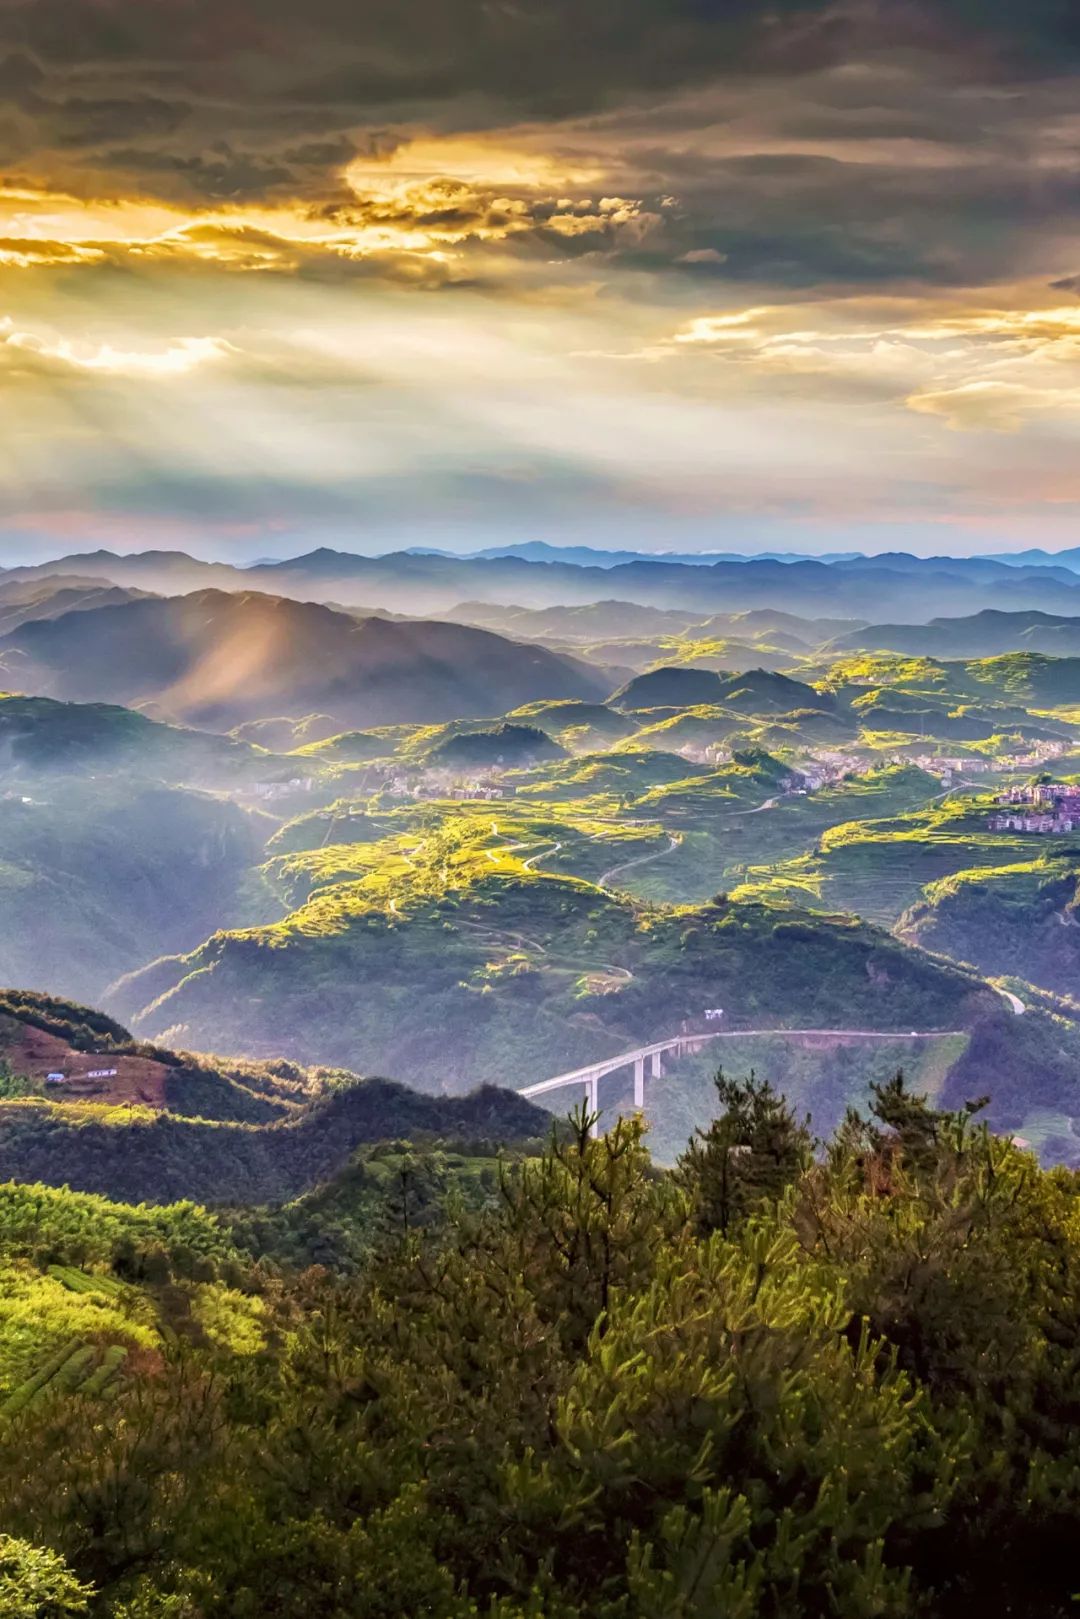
[(748, 1156), (779, 1383), (37, 1584)]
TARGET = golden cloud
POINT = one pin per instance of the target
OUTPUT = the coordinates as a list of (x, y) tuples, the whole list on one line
[(978, 369), (427, 201), (993, 406), (29, 353), (482, 164)]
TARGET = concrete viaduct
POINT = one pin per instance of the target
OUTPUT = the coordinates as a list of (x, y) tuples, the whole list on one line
[(682, 1044)]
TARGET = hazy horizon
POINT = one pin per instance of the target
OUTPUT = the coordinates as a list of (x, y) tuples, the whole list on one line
[(15, 555)]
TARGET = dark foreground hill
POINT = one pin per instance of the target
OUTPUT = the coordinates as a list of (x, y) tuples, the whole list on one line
[(222, 659), (195, 1127), (164, 1158)]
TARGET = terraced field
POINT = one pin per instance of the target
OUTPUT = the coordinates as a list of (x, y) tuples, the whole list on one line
[(878, 869)]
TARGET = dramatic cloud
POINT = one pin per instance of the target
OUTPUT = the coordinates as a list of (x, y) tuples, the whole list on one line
[(716, 272)]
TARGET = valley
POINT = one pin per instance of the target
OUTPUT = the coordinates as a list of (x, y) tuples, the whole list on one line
[(342, 853)]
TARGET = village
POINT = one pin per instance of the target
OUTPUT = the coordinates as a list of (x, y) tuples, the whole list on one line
[(441, 784), (809, 773), (1043, 807)]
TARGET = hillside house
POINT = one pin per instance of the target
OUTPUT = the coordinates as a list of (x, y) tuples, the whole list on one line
[(278, 789), (1046, 823), (477, 791)]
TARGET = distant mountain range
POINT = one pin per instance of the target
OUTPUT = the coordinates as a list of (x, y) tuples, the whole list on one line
[(427, 584), (24, 599), (589, 622), (1035, 558), (588, 556)]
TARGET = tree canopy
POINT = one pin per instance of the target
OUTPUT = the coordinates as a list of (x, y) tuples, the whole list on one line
[(788, 1380)]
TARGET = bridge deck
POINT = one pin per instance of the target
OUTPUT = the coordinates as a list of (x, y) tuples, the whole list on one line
[(609, 1065)]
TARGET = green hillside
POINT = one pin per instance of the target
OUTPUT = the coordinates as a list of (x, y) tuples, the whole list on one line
[(142, 1156), (41, 736), (878, 869), (578, 725), (102, 874), (741, 817), (41, 1032), (1016, 920), (511, 976), (758, 691), (506, 745), (1031, 679)]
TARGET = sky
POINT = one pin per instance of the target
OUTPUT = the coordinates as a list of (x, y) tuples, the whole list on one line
[(664, 274)]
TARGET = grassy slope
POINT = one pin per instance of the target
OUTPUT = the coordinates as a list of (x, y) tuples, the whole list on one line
[(722, 842), (878, 869), (88, 1287)]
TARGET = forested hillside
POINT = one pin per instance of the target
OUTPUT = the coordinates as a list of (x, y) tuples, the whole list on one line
[(83, 1104), (220, 659), (516, 975), (99, 873), (777, 1383)]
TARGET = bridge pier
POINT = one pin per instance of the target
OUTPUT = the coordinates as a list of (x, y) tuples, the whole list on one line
[(592, 1103), (639, 1082), (657, 1065)]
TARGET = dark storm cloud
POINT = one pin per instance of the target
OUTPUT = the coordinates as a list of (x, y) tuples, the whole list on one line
[(218, 172), (217, 99), (799, 144)]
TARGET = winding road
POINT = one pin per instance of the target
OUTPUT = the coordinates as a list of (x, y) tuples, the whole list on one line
[(674, 841), (527, 865)]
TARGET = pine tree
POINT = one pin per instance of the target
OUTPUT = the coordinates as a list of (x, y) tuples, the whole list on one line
[(747, 1157)]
